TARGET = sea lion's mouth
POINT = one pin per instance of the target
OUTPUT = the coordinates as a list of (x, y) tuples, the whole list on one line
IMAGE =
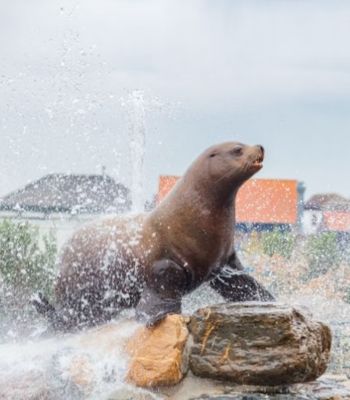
[(258, 163)]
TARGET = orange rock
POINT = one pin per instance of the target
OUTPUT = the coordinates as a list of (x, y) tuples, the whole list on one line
[(157, 354)]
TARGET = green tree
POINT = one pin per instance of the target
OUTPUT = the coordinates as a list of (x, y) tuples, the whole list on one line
[(27, 265), (26, 260), (278, 242), (322, 253)]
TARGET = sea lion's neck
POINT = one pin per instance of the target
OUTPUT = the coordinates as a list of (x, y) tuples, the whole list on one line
[(201, 202), (216, 195)]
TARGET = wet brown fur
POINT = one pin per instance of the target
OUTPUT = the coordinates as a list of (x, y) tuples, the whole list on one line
[(193, 226)]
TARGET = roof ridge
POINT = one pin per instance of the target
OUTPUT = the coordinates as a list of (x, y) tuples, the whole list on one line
[(59, 191)]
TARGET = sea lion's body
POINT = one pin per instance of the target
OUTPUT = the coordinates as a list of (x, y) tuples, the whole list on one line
[(152, 260)]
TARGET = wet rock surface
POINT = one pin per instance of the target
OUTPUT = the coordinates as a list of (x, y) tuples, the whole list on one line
[(328, 387), (238, 351), (158, 356), (258, 344)]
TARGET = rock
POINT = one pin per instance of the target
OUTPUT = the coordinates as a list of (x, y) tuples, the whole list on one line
[(258, 344), (158, 355), (328, 387)]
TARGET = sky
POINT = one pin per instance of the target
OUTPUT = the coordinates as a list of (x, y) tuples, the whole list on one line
[(270, 72)]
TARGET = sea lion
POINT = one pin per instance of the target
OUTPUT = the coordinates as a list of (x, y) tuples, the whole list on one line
[(151, 260)]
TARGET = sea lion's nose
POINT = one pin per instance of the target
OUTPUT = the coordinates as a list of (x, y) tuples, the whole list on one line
[(261, 149)]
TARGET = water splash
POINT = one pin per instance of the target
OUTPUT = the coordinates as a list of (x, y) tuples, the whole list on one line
[(134, 104), (87, 365), (139, 107)]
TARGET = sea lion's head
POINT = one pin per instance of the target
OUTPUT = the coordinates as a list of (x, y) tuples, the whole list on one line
[(226, 166), (233, 161)]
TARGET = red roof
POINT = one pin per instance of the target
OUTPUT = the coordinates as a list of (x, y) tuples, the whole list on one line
[(336, 221), (269, 201)]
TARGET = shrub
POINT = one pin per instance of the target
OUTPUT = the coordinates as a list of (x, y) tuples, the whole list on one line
[(322, 253), (27, 262), (278, 243)]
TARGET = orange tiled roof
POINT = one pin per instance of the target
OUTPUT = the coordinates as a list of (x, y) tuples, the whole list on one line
[(337, 221), (269, 201)]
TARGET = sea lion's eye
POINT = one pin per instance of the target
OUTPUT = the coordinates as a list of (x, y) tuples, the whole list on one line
[(237, 151), (212, 155)]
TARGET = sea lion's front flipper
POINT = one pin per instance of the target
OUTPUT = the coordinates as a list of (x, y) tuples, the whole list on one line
[(152, 308), (235, 285), (234, 262), (166, 282)]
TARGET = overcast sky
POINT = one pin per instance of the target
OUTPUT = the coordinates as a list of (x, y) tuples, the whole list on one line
[(274, 72)]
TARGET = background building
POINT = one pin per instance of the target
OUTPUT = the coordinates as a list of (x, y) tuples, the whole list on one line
[(327, 212), (59, 203)]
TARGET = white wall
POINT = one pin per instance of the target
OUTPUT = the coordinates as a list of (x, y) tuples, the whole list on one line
[(61, 225), (312, 221)]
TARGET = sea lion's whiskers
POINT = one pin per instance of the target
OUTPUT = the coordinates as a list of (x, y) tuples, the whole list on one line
[(223, 177)]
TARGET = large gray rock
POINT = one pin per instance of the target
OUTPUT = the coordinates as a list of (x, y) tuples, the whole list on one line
[(327, 387), (258, 344), (331, 387)]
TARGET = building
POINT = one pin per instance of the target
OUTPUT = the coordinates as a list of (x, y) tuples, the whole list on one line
[(261, 204), (327, 212), (60, 202)]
